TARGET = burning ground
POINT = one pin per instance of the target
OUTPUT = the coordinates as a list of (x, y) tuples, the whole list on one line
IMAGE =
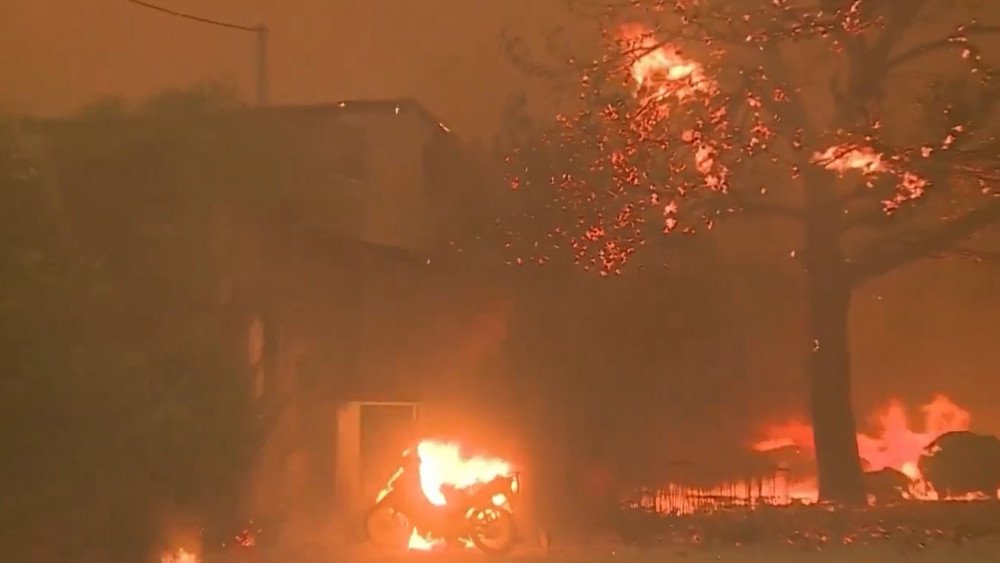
[(895, 455)]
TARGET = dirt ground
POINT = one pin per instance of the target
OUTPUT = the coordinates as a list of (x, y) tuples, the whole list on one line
[(976, 552), (985, 550), (925, 533)]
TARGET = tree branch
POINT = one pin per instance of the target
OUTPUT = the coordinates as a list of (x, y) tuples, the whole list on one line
[(879, 259), (977, 256), (956, 41), (902, 17)]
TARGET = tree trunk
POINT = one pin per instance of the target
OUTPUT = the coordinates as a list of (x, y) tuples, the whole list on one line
[(834, 428)]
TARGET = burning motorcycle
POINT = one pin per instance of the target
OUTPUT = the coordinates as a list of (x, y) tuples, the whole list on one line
[(481, 514)]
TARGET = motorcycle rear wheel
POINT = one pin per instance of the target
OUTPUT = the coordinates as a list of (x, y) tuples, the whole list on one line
[(387, 527), (493, 531)]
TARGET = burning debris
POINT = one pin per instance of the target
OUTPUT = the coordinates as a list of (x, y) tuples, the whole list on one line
[(886, 485), (942, 462), (440, 498)]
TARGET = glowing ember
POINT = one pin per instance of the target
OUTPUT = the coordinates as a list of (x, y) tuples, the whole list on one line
[(246, 538), (697, 106), (179, 556)]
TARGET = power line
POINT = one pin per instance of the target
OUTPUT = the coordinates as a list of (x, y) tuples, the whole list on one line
[(192, 17), (259, 30)]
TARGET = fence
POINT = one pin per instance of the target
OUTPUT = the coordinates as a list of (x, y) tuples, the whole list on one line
[(674, 499)]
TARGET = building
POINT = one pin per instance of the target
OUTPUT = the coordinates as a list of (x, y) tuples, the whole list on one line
[(330, 226)]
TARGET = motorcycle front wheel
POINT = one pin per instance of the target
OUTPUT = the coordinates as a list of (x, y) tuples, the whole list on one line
[(387, 527), (493, 530)]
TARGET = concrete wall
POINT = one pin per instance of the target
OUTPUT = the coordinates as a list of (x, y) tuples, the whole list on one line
[(396, 206)]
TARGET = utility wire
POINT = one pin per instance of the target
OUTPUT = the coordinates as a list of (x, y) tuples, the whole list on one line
[(192, 17)]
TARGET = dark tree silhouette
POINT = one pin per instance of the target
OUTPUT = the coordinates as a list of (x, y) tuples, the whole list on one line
[(866, 125), (120, 344)]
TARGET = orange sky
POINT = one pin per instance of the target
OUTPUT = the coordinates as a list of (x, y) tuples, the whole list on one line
[(911, 333), (57, 55)]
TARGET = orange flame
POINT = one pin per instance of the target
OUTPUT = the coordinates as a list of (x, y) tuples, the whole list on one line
[(841, 158), (661, 75), (659, 70), (179, 556), (894, 444), (442, 464)]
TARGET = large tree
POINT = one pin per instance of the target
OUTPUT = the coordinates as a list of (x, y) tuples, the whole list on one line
[(866, 125)]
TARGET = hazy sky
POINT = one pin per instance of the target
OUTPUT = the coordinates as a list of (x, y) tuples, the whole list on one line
[(57, 55), (915, 333)]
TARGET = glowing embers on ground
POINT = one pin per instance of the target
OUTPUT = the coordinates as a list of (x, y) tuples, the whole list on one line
[(442, 465)]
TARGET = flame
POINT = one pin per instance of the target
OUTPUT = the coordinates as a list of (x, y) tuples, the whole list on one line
[(682, 500), (841, 158), (442, 464), (661, 75), (894, 444), (418, 542), (179, 556), (658, 70)]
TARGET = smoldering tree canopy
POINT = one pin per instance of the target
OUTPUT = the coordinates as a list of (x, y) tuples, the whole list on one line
[(697, 110)]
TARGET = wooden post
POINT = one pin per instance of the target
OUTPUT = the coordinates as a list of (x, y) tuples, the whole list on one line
[(348, 457), (261, 65)]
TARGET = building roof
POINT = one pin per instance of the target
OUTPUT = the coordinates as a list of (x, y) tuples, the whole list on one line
[(347, 107), (361, 107)]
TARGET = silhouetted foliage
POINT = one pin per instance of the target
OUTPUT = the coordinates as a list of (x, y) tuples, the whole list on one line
[(121, 337)]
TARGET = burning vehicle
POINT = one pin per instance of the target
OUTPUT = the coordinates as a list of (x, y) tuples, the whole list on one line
[(439, 498), (962, 463)]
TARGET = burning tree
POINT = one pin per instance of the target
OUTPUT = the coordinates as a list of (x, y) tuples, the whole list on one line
[(866, 125)]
